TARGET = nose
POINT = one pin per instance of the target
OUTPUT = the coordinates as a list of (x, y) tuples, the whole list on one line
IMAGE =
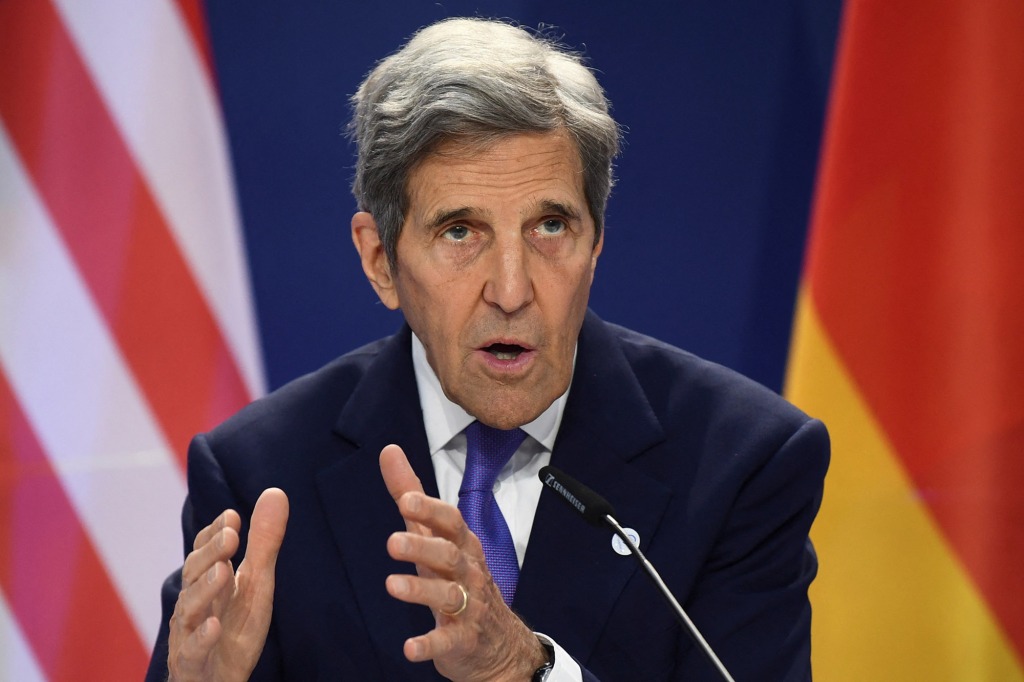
[(509, 285)]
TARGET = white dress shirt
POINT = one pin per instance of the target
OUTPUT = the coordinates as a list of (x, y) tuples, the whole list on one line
[(518, 487)]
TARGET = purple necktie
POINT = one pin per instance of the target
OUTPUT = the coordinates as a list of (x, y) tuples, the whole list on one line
[(487, 451)]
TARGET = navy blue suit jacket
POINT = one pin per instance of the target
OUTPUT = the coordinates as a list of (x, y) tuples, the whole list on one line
[(719, 476)]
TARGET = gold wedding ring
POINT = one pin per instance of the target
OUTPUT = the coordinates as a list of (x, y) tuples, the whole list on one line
[(465, 602)]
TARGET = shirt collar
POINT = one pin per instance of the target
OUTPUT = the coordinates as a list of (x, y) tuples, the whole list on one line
[(444, 420)]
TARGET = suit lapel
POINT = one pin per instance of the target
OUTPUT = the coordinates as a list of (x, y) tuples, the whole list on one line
[(384, 408), (571, 577)]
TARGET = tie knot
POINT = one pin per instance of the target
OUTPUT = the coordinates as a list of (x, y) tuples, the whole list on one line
[(487, 451)]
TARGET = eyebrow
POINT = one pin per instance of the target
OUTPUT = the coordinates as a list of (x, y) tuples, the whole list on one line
[(447, 215), (444, 216), (558, 207)]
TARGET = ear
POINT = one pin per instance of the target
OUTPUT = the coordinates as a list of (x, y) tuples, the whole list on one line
[(374, 260), (597, 252)]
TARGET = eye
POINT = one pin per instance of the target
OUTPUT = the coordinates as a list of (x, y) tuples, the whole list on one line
[(552, 226), (456, 233)]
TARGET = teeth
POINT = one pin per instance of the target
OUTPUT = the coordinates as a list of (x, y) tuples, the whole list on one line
[(502, 355)]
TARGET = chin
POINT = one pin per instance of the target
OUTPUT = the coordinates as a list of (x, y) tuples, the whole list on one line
[(508, 414)]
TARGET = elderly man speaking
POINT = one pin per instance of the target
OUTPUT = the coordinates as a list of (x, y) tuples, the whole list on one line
[(418, 543)]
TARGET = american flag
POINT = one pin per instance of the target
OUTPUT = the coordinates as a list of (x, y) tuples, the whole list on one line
[(126, 320)]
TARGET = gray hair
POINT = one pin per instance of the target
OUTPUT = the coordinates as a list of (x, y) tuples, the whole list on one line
[(473, 81)]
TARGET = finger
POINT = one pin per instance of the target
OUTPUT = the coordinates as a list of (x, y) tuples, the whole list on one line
[(397, 472), (400, 479), (204, 597), (220, 546), (439, 555), (439, 517), (441, 595), (435, 644), (266, 530), (228, 519), (187, 661)]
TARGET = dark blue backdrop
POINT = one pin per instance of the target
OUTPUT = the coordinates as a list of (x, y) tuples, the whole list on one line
[(723, 102)]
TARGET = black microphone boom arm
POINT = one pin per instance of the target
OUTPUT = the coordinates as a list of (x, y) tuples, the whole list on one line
[(597, 511)]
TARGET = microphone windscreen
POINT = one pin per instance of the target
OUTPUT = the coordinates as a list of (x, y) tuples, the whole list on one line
[(591, 506)]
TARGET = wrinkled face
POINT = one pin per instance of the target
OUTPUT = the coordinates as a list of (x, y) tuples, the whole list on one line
[(495, 262)]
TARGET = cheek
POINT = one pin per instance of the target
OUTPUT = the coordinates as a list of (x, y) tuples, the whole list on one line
[(435, 314), (567, 290), (418, 309), (581, 294)]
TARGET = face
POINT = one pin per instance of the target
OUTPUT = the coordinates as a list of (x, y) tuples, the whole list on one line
[(495, 262)]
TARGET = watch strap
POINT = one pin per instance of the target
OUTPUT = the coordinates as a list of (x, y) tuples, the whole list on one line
[(541, 673)]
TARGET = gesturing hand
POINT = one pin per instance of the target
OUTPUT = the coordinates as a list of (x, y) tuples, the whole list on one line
[(482, 641), (220, 622)]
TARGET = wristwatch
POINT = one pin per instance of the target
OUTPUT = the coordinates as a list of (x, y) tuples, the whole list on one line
[(541, 673)]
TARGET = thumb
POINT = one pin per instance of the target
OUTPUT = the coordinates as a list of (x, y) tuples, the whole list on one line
[(266, 529), (400, 479), (397, 472)]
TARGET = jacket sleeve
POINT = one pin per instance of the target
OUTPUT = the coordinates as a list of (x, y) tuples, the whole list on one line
[(751, 596)]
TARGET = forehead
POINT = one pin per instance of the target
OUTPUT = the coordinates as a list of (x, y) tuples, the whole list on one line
[(521, 169)]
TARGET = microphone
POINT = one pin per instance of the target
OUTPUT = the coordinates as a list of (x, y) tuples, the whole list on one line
[(591, 506), (598, 512)]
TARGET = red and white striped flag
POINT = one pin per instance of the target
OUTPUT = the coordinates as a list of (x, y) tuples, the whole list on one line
[(126, 320)]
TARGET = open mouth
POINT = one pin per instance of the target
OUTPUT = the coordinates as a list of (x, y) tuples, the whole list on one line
[(505, 351)]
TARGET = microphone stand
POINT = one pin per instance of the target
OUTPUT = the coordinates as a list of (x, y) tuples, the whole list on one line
[(670, 598)]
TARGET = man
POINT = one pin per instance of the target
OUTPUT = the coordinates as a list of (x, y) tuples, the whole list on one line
[(484, 169)]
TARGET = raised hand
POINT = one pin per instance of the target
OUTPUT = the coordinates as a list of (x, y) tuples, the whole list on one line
[(476, 637), (221, 619)]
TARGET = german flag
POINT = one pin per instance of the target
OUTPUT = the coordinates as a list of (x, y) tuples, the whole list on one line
[(909, 344)]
